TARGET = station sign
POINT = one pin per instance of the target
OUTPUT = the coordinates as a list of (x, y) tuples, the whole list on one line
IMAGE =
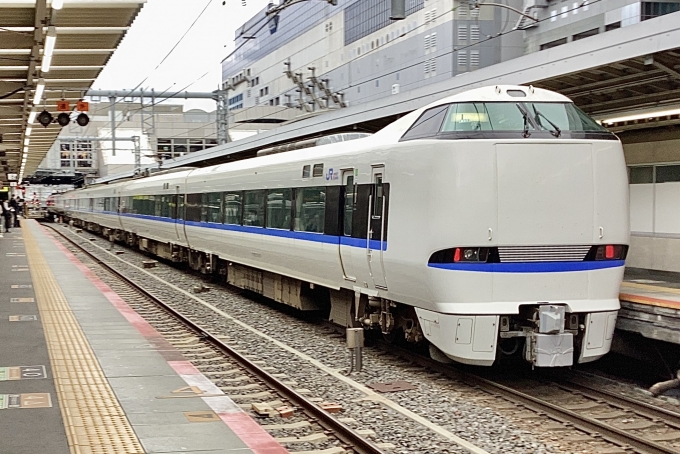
[(12, 176)]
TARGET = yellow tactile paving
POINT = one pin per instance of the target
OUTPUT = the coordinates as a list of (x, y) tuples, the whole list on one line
[(94, 420)]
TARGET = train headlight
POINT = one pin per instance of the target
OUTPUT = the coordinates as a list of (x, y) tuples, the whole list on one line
[(470, 254)]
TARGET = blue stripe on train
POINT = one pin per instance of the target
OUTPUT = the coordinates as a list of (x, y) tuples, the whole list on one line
[(281, 233), (529, 267)]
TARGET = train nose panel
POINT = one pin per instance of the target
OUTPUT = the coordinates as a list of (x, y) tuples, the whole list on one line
[(545, 194)]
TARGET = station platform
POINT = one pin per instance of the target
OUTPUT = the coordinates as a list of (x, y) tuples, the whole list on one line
[(650, 304), (81, 372)]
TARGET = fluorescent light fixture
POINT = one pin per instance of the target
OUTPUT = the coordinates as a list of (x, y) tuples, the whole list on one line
[(642, 115), (31, 116), (25, 150), (27, 140), (39, 89), (29, 130), (50, 41), (57, 4)]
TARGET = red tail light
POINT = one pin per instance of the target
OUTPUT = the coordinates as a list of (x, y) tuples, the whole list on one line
[(610, 252), (456, 255)]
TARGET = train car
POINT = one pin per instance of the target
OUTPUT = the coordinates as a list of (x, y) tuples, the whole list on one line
[(491, 224)]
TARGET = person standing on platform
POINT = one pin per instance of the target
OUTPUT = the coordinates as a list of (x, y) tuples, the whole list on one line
[(7, 214), (21, 210), (14, 208)]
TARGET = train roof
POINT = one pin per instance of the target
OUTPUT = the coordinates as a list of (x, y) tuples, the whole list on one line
[(503, 93)]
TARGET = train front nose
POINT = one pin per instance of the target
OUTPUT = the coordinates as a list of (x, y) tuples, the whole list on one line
[(545, 194)]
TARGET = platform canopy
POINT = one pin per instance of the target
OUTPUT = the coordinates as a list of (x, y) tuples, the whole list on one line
[(83, 35)]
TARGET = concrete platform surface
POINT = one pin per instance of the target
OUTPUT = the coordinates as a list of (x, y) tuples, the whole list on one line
[(81, 372)]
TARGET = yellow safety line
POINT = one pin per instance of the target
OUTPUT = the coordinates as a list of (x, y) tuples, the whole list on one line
[(93, 418)]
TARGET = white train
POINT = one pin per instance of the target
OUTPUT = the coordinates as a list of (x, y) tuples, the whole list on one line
[(491, 223)]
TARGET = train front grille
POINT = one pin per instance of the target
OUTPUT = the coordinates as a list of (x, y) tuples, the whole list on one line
[(515, 254)]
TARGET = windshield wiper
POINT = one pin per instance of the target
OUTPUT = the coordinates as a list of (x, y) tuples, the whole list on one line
[(556, 131), (525, 115)]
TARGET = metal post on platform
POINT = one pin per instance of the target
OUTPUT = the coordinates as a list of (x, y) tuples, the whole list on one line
[(112, 106), (355, 342)]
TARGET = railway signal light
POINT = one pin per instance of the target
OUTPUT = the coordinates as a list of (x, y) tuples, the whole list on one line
[(45, 118), (82, 119), (63, 119)]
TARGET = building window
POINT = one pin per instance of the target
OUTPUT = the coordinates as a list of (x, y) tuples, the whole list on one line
[(175, 147), (641, 175), (557, 42), (612, 26), (585, 34), (651, 10)]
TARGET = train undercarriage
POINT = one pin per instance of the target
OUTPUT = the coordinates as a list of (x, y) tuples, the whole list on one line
[(528, 335)]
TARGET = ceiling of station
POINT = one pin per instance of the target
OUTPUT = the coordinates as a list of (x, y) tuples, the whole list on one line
[(87, 34), (632, 92)]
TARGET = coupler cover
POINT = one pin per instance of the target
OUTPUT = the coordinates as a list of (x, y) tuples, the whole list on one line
[(552, 350)]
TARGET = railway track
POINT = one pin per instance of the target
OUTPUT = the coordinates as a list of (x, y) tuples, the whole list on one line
[(240, 377), (609, 422), (624, 422)]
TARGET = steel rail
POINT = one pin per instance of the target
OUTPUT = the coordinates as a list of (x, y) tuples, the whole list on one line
[(642, 408), (592, 426), (343, 432)]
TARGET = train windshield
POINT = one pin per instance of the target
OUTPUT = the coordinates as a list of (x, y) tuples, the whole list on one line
[(512, 116)]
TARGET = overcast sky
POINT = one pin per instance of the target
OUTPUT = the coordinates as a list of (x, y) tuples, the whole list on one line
[(158, 27)]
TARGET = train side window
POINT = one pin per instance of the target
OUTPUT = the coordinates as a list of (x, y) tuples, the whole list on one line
[(192, 207), (158, 205), (165, 205), (428, 125), (378, 196), (310, 209), (317, 171), (349, 205), (232, 208), (279, 208), (305, 172), (253, 208), (213, 207)]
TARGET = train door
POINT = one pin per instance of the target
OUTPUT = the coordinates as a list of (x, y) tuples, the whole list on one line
[(376, 232), (349, 200), (179, 216)]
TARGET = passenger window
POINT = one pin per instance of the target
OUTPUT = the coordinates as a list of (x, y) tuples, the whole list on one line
[(214, 207), (310, 209), (279, 208), (305, 172), (378, 196), (232, 208), (318, 170), (194, 202), (253, 210), (349, 205)]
